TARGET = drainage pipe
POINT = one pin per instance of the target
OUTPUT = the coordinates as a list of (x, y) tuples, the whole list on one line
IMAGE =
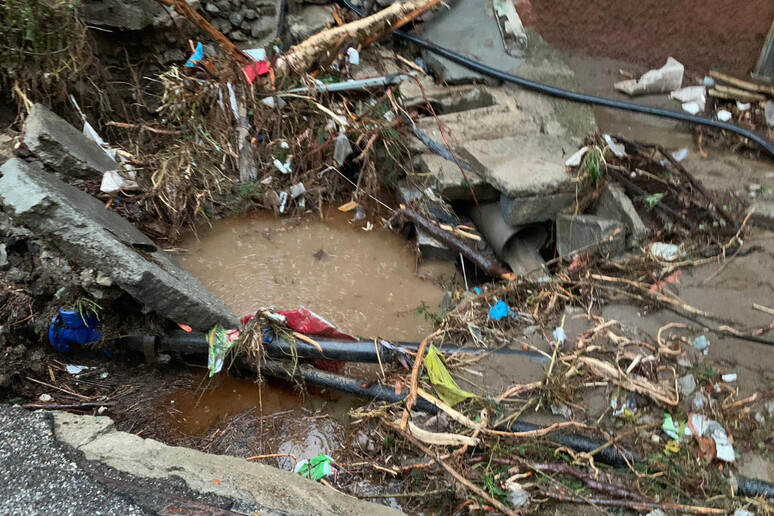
[(572, 96)]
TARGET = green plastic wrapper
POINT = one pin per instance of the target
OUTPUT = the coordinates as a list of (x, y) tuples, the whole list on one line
[(443, 383), (220, 340)]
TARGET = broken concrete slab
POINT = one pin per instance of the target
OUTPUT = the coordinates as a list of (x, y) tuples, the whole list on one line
[(469, 28), (445, 100), (309, 20), (429, 247), (120, 14), (614, 204), (93, 237), (450, 181), (540, 208), (524, 165), (256, 487), (589, 234), (62, 147), (763, 216)]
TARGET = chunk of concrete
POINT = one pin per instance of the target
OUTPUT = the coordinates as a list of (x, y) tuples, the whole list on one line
[(763, 216), (120, 14), (450, 181), (429, 247), (523, 165), (614, 204), (93, 237), (62, 147), (308, 21), (589, 234), (469, 28), (540, 208), (445, 100)]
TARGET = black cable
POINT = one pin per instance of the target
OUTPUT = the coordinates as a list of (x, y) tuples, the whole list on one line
[(573, 96)]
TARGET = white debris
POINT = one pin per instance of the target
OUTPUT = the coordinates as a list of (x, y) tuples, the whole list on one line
[(297, 190), (269, 101), (101, 410), (770, 113), (656, 512), (742, 106), (104, 375), (76, 369), (693, 95), (743, 512), (113, 183), (724, 116), (618, 148), (575, 159), (667, 78), (559, 335), (285, 167), (728, 378), (517, 495), (283, 197), (706, 427), (354, 56), (701, 343), (681, 154), (666, 252), (45, 398), (692, 108), (342, 149), (258, 54)]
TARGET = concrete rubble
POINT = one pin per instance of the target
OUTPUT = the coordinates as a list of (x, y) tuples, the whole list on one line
[(614, 204), (87, 234), (589, 233), (63, 148)]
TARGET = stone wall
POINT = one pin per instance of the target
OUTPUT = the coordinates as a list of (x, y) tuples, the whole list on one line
[(244, 21)]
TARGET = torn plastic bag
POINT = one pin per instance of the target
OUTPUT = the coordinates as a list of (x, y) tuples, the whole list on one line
[(220, 341), (309, 323), (443, 383)]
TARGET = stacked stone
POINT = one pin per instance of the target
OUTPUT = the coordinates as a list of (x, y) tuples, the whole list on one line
[(243, 20)]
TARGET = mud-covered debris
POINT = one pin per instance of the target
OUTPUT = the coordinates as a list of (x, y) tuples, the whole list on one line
[(662, 80)]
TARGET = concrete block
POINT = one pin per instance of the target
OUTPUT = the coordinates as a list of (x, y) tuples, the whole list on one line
[(518, 211), (614, 204), (450, 181), (763, 216), (62, 147), (589, 234), (93, 237)]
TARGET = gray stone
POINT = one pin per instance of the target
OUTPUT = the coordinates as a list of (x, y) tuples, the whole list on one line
[(309, 21), (686, 384), (174, 55), (3, 258), (93, 237), (613, 203), (529, 210), (262, 27), (256, 487), (238, 35), (589, 234), (450, 181), (120, 14), (62, 147), (249, 14), (445, 100), (470, 29), (224, 6), (429, 247), (236, 19), (211, 8)]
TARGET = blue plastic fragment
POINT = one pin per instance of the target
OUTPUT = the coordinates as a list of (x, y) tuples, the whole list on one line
[(476, 290), (70, 329), (268, 336), (196, 56), (499, 311)]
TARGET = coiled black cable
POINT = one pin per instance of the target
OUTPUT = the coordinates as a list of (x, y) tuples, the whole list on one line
[(573, 96)]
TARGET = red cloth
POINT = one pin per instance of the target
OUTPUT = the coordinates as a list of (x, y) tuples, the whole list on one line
[(255, 70), (309, 323)]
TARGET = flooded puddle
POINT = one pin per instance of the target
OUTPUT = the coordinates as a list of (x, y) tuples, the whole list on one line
[(277, 419), (362, 281)]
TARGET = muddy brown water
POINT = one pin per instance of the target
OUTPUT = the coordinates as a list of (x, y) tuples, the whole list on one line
[(365, 282)]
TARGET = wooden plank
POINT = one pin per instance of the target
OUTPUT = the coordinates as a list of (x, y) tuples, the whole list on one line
[(742, 84), (765, 67), (727, 92)]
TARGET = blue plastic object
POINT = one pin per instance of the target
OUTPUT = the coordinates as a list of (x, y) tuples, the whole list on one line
[(69, 329), (196, 56), (499, 311)]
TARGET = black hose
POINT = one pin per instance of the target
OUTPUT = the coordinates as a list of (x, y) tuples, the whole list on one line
[(579, 443), (573, 96)]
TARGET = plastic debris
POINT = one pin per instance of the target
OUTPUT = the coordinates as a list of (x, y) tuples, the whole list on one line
[(666, 252), (656, 512), (76, 369), (443, 383), (342, 150), (703, 427), (560, 337), (686, 384), (699, 402), (681, 154), (618, 148), (708, 81), (667, 78), (517, 495), (728, 378), (742, 106), (626, 410), (499, 311), (257, 54), (269, 101), (197, 56), (693, 98), (220, 341), (297, 190), (770, 113), (692, 108), (742, 512), (317, 468), (670, 428), (353, 56), (283, 198), (255, 70), (562, 410), (575, 159), (104, 375), (45, 398), (702, 344), (283, 167), (307, 322), (113, 183), (70, 328), (724, 116)]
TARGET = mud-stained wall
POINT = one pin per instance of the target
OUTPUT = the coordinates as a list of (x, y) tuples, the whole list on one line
[(702, 34)]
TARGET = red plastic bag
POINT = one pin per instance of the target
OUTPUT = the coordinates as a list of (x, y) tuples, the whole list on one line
[(309, 323)]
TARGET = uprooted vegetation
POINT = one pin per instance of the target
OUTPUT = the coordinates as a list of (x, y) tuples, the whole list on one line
[(220, 144)]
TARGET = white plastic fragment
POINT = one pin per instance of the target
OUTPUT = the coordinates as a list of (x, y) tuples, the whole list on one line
[(354, 56), (559, 335), (728, 378), (342, 150), (285, 167), (618, 148), (692, 107), (283, 201), (742, 106), (706, 427), (575, 159), (45, 398), (113, 183), (666, 252), (76, 369), (269, 101), (258, 54), (104, 375), (297, 190), (724, 116), (708, 81), (517, 495), (694, 96), (770, 113), (667, 78), (681, 154), (702, 344)]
